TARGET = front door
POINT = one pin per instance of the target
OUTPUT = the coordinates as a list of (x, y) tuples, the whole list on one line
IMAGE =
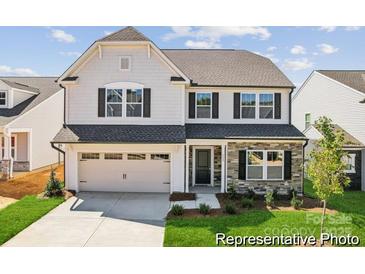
[(202, 166)]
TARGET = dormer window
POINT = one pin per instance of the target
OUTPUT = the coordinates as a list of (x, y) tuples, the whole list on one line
[(3, 98), (125, 63)]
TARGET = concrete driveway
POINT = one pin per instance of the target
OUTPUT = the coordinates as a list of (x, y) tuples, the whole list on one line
[(100, 219)]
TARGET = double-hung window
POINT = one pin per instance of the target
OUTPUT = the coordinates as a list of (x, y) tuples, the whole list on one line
[(248, 105), (3, 98), (203, 105), (307, 120), (114, 102), (134, 102), (265, 165), (266, 106), (350, 163)]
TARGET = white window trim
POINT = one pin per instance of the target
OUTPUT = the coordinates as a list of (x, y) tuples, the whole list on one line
[(265, 165), (133, 103), (196, 104), (6, 99), (352, 156), (255, 106), (15, 147), (273, 105), (129, 61), (305, 121), (113, 103)]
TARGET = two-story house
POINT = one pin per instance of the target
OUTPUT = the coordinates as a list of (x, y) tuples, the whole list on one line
[(25, 138), (142, 119), (339, 95)]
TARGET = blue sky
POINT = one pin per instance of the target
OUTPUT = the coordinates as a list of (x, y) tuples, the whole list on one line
[(296, 50)]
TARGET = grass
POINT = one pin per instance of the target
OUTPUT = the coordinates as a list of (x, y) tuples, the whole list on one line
[(200, 231), (23, 213)]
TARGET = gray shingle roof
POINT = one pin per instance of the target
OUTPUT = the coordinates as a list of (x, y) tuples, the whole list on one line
[(242, 131), (20, 86), (46, 87), (126, 34), (349, 140), (121, 134), (353, 78), (228, 68)]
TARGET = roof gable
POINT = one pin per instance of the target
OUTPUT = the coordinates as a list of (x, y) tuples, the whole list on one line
[(125, 34), (354, 79)]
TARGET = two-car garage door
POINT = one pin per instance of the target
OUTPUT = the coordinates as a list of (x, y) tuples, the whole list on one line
[(124, 172)]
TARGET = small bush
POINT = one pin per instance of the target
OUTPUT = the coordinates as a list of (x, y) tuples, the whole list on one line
[(204, 209), (269, 198), (295, 202), (177, 210), (250, 194), (232, 191), (54, 186), (230, 208), (247, 203)]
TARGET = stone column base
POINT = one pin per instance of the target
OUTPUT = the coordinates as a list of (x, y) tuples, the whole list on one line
[(5, 169)]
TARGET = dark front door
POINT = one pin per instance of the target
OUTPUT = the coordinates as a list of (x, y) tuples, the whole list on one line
[(202, 166)]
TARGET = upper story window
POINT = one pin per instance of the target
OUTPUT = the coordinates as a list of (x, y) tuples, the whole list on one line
[(3, 98), (114, 102), (307, 120), (134, 102), (203, 105), (266, 106), (125, 63), (248, 105)]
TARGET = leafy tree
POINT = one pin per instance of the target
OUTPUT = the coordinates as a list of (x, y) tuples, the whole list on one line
[(326, 167)]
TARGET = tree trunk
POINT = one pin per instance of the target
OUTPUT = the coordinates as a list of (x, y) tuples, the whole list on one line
[(323, 217)]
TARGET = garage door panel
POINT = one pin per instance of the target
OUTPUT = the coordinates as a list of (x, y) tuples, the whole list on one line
[(124, 175)]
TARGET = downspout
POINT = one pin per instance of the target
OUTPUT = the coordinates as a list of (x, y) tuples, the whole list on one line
[(305, 144), (290, 109)]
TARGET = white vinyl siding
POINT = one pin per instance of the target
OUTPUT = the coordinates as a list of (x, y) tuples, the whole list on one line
[(166, 99)]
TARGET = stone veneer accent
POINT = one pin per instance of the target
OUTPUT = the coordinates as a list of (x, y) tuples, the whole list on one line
[(283, 187), (21, 166)]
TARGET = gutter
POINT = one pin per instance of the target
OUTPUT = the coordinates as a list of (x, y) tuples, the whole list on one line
[(290, 103), (64, 159), (64, 103), (305, 144)]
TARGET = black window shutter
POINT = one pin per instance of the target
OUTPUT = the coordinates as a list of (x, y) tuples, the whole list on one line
[(242, 165), (277, 105), (287, 165), (236, 105), (191, 105), (146, 102), (215, 110), (101, 102)]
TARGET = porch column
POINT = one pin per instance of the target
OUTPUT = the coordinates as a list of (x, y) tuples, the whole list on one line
[(187, 168), (223, 167), (7, 161)]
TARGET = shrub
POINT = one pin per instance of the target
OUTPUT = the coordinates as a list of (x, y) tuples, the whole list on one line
[(295, 202), (269, 198), (177, 210), (250, 194), (54, 186), (230, 208), (232, 191), (204, 208), (246, 202)]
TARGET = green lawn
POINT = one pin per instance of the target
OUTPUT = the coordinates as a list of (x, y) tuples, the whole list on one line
[(21, 214), (201, 231)]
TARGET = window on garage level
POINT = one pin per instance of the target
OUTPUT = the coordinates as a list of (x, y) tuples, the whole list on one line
[(136, 156), (113, 156), (160, 157), (90, 156)]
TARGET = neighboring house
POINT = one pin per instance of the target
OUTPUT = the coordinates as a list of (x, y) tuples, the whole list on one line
[(31, 112), (142, 119), (339, 95)]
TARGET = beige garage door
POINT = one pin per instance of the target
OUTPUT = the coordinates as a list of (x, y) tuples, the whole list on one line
[(124, 172)]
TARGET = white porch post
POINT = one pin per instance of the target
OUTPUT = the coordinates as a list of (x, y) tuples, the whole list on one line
[(7, 161), (187, 168), (223, 167)]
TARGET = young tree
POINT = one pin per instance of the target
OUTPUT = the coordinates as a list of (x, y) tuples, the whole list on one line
[(326, 167)]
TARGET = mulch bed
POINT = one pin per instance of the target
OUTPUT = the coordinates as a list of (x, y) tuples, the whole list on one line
[(66, 194), (180, 196)]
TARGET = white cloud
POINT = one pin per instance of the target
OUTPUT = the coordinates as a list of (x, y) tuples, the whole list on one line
[(271, 49), (202, 44), (297, 64), (70, 53), (217, 33), (107, 32), (9, 71), (327, 48), (298, 49), (62, 36), (352, 28), (327, 28)]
